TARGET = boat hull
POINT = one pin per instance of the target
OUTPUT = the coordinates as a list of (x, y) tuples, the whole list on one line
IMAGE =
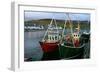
[(49, 47), (68, 52)]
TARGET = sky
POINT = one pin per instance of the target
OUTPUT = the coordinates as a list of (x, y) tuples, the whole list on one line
[(31, 15)]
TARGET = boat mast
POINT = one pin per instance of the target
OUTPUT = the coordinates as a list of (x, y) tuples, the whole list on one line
[(47, 31), (63, 30), (71, 28), (78, 28), (56, 28)]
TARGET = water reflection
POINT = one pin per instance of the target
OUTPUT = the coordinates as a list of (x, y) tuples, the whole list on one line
[(32, 49)]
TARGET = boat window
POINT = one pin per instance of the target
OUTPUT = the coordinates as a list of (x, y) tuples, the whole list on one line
[(52, 38)]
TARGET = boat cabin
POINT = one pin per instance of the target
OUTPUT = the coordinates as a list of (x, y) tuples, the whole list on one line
[(76, 39), (53, 37)]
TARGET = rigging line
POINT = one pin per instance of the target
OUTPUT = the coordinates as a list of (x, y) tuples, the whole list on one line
[(70, 22), (63, 31), (78, 27), (64, 26), (56, 24), (47, 30)]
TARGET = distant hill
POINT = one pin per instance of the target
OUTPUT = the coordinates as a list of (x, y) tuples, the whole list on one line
[(42, 21), (45, 22)]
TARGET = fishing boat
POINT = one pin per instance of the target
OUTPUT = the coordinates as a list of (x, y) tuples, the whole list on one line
[(51, 38), (71, 46)]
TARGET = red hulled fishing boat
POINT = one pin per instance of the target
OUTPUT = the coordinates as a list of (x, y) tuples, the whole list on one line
[(51, 38)]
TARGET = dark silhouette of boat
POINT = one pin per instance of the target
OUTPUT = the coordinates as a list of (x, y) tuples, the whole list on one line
[(68, 51), (71, 45)]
